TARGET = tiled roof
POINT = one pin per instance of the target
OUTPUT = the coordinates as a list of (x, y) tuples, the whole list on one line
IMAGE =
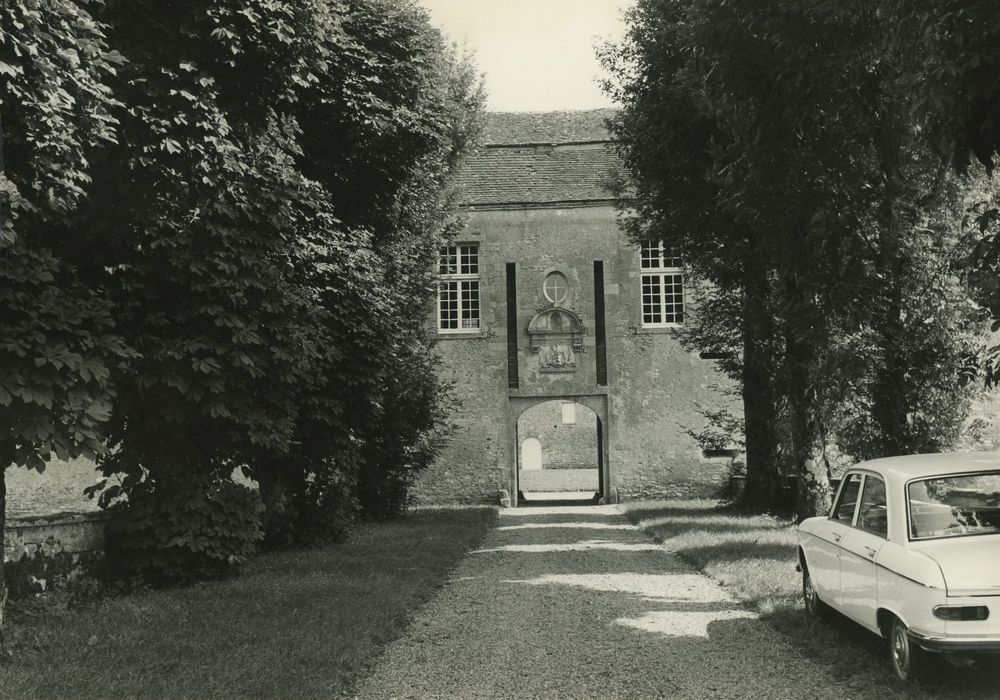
[(506, 128), (508, 175), (541, 157)]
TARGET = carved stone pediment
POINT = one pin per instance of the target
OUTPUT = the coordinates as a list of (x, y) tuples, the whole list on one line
[(557, 335)]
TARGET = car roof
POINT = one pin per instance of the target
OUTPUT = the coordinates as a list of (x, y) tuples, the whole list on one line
[(917, 466)]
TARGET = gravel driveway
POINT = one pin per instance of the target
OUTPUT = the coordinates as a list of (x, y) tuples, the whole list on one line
[(574, 602)]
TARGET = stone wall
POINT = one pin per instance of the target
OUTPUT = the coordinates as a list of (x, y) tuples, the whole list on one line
[(655, 388), (572, 446), (43, 552), (68, 532)]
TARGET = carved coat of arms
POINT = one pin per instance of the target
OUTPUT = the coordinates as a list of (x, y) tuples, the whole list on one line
[(557, 356)]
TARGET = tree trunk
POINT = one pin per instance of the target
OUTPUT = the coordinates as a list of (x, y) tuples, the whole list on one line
[(808, 448), (3, 172), (808, 451), (4, 448), (813, 493), (889, 403), (281, 489), (3, 535), (759, 402), (3, 452)]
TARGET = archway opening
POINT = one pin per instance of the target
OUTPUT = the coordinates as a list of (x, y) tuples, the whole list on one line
[(559, 453)]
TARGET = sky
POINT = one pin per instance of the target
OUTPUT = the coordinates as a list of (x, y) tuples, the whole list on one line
[(536, 54)]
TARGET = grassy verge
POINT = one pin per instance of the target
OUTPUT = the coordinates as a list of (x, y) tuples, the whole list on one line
[(297, 624), (754, 557)]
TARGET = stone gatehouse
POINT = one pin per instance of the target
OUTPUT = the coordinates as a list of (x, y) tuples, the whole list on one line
[(559, 333)]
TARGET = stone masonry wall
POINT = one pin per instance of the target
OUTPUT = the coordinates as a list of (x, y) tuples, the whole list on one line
[(42, 553), (655, 389), (571, 446), (72, 532)]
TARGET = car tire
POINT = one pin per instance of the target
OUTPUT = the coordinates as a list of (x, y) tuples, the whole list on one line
[(909, 662), (814, 606)]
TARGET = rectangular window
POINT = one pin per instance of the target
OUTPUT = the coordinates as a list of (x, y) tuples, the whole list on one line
[(662, 283), (458, 288)]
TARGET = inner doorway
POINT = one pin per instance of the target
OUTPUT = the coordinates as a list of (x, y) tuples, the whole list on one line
[(559, 453)]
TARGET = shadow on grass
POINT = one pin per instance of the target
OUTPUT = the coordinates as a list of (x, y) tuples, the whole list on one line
[(846, 647), (743, 549), (754, 556), (302, 624), (679, 519)]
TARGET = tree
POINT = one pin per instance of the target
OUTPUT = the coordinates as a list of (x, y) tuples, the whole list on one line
[(416, 107), (287, 168), (220, 256), (59, 344), (774, 144), (950, 57), (949, 52), (232, 220), (667, 139)]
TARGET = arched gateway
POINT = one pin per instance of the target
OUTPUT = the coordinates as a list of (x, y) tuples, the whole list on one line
[(571, 436)]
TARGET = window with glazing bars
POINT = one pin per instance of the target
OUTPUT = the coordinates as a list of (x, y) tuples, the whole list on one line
[(458, 288), (662, 282)]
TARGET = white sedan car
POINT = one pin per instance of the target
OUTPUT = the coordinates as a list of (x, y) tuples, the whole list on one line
[(911, 550)]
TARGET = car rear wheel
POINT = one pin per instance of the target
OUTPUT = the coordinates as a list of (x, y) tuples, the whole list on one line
[(909, 661), (814, 606)]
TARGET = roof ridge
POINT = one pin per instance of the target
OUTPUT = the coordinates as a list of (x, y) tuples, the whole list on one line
[(516, 144), (551, 111), (552, 127)]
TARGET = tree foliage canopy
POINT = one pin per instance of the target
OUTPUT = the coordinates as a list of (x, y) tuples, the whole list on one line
[(59, 344), (777, 145), (951, 56), (219, 225)]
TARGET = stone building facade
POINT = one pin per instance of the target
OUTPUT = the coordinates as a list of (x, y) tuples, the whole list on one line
[(545, 308)]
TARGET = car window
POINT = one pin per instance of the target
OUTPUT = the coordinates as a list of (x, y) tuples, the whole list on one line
[(871, 514), (844, 510), (955, 506)]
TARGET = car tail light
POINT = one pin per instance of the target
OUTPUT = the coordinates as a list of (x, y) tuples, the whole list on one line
[(962, 612)]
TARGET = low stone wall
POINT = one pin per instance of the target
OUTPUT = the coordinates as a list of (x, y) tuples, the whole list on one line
[(42, 552)]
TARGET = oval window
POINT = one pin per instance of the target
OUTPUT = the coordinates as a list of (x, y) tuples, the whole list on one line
[(555, 287)]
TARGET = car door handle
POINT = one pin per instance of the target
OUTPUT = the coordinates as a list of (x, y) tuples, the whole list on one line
[(871, 551), (837, 536)]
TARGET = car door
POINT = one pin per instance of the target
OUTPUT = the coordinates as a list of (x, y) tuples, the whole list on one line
[(824, 557), (859, 547)]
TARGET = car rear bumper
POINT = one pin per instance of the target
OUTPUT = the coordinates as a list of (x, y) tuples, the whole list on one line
[(958, 646)]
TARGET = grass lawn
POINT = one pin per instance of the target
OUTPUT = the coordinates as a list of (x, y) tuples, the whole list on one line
[(754, 557), (300, 624)]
